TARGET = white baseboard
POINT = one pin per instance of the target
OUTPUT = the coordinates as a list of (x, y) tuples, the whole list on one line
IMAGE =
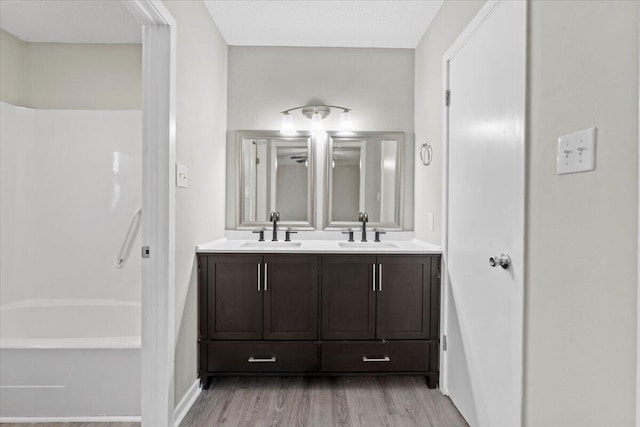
[(186, 403), (117, 419)]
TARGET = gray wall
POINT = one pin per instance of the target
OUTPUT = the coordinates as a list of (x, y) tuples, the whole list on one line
[(378, 84), (291, 192), (346, 192), (580, 352), (452, 18), (201, 100), (580, 306), (12, 65), (70, 75)]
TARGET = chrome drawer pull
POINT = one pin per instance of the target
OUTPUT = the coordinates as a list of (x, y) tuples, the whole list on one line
[(376, 359), (262, 360)]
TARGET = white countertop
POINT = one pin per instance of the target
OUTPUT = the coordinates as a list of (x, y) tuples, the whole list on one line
[(225, 245)]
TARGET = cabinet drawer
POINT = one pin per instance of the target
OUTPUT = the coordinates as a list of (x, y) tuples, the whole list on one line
[(260, 356), (394, 356)]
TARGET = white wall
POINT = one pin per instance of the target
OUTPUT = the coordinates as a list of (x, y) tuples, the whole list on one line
[(452, 18), (582, 229), (70, 186), (12, 59), (201, 96), (376, 83), (70, 76)]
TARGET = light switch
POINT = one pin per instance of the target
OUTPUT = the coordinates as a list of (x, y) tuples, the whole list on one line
[(181, 176), (577, 152), (430, 221)]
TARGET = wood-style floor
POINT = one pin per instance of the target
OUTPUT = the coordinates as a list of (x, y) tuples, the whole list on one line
[(314, 401), (322, 401)]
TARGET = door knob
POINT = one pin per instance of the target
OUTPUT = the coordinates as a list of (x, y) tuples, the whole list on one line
[(503, 260)]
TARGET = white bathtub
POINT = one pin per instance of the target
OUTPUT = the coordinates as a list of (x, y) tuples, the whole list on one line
[(70, 361)]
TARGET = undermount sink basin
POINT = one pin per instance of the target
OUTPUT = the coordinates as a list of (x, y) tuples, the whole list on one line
[(271, 245), (368, 245)]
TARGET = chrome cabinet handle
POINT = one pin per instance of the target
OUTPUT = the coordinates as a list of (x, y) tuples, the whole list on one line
[(503, 260), (379, 277), (376, 359), (373, 281), (265, 276), (262, 360), (258, 277)]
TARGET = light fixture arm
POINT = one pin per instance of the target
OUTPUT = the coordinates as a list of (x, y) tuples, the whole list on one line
[(344, 109)]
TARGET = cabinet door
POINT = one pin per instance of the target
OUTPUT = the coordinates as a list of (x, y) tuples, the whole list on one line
[(348, 298), (234, 297), (291, 298), (403, 308)]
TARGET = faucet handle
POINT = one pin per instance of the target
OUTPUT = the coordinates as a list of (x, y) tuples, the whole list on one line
[(378, 233), (350, 233), (287, 234), (261, 231)]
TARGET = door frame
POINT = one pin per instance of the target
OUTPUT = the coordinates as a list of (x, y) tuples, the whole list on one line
[(158, 209), (458, 44), (638, 263)]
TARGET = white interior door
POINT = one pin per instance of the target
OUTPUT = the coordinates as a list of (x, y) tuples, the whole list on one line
[(485, 216)]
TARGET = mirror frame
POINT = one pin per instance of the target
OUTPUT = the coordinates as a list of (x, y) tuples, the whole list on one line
[(328, 223), (311, 195)]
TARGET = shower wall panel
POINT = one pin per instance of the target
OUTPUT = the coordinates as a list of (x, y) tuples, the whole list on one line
[(71, 184)]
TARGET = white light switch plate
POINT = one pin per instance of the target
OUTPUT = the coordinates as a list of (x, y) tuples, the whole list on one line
[(181, 176), (577, 152)]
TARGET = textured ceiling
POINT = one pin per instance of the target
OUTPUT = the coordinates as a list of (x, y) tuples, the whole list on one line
[(344, 23), (69, 21)]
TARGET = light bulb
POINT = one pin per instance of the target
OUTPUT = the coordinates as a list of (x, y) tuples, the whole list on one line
[(288, 128), (346, 125)]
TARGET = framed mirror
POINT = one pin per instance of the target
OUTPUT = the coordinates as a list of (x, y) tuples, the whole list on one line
[(275, 174), (364, 174)]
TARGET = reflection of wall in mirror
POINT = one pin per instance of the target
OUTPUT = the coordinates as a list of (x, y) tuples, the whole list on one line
[(291, 192), (249, 179), (346, 190), (262, 208), (388, 182), (372, 186)]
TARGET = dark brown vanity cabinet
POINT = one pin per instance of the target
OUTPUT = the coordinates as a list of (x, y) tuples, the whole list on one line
[(381, 314), (318, 314), (348, 298), (387, 297), (252, 297)]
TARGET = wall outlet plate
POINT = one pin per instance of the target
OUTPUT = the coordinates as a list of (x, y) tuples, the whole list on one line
[(181, 176), (576, 152)]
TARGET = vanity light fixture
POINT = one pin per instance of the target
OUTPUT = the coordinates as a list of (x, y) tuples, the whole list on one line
[(316, 113), (288, 128)]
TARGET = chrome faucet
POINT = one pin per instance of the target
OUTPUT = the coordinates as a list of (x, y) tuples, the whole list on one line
[(363, 217), (275, 217)]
